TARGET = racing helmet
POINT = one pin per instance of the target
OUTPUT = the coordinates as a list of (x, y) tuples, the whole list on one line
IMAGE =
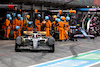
[(10, 18), (95, 18), (78, 25), (21, 18), (38, 15), (16, 27), (67, 18), (46, 17), (62, 18), (58, 16), (91, 25), (27, 16), (13, 14), (8, 15), (18, 15), (58, 20), (29, 23)]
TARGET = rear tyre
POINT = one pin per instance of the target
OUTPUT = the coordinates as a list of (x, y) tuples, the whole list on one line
[(11, 35), (56, 35), (19, 41), (53, 48), (92, 37), (16, 48), (51, 41)]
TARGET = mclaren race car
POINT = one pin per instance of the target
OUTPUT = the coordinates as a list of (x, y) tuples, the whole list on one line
[(34, 41)]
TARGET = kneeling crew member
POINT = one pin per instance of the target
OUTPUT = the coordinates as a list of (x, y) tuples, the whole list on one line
[(29, 27)]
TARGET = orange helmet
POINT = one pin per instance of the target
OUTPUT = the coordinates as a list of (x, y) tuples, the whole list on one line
[(27, 16), (63, 18)]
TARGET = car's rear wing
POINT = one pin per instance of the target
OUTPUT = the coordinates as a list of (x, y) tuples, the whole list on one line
[(30, 32)]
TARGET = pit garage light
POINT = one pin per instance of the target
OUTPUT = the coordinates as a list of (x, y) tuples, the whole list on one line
[(83, 9), (98, 8), (72, 11), (92, 9), (87, 9)]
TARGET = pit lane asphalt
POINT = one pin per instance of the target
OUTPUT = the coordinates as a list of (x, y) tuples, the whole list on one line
[(10, 58)]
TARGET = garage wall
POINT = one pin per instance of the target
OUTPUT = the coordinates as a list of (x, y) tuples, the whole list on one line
[(97, 2), (41, 7), (71, 2)]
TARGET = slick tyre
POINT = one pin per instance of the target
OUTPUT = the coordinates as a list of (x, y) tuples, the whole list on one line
[(92, 37), (11, 34), (53, 48), (16, 48)]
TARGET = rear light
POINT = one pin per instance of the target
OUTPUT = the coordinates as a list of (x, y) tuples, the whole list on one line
[(38, 35), (33, 35)]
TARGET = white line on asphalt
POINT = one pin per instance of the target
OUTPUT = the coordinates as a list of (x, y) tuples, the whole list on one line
[(64, 58), (93, 64), (66, 44), (6, 46)]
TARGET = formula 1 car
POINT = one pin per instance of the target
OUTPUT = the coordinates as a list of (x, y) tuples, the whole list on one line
[(84, 34), (34, 41)]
